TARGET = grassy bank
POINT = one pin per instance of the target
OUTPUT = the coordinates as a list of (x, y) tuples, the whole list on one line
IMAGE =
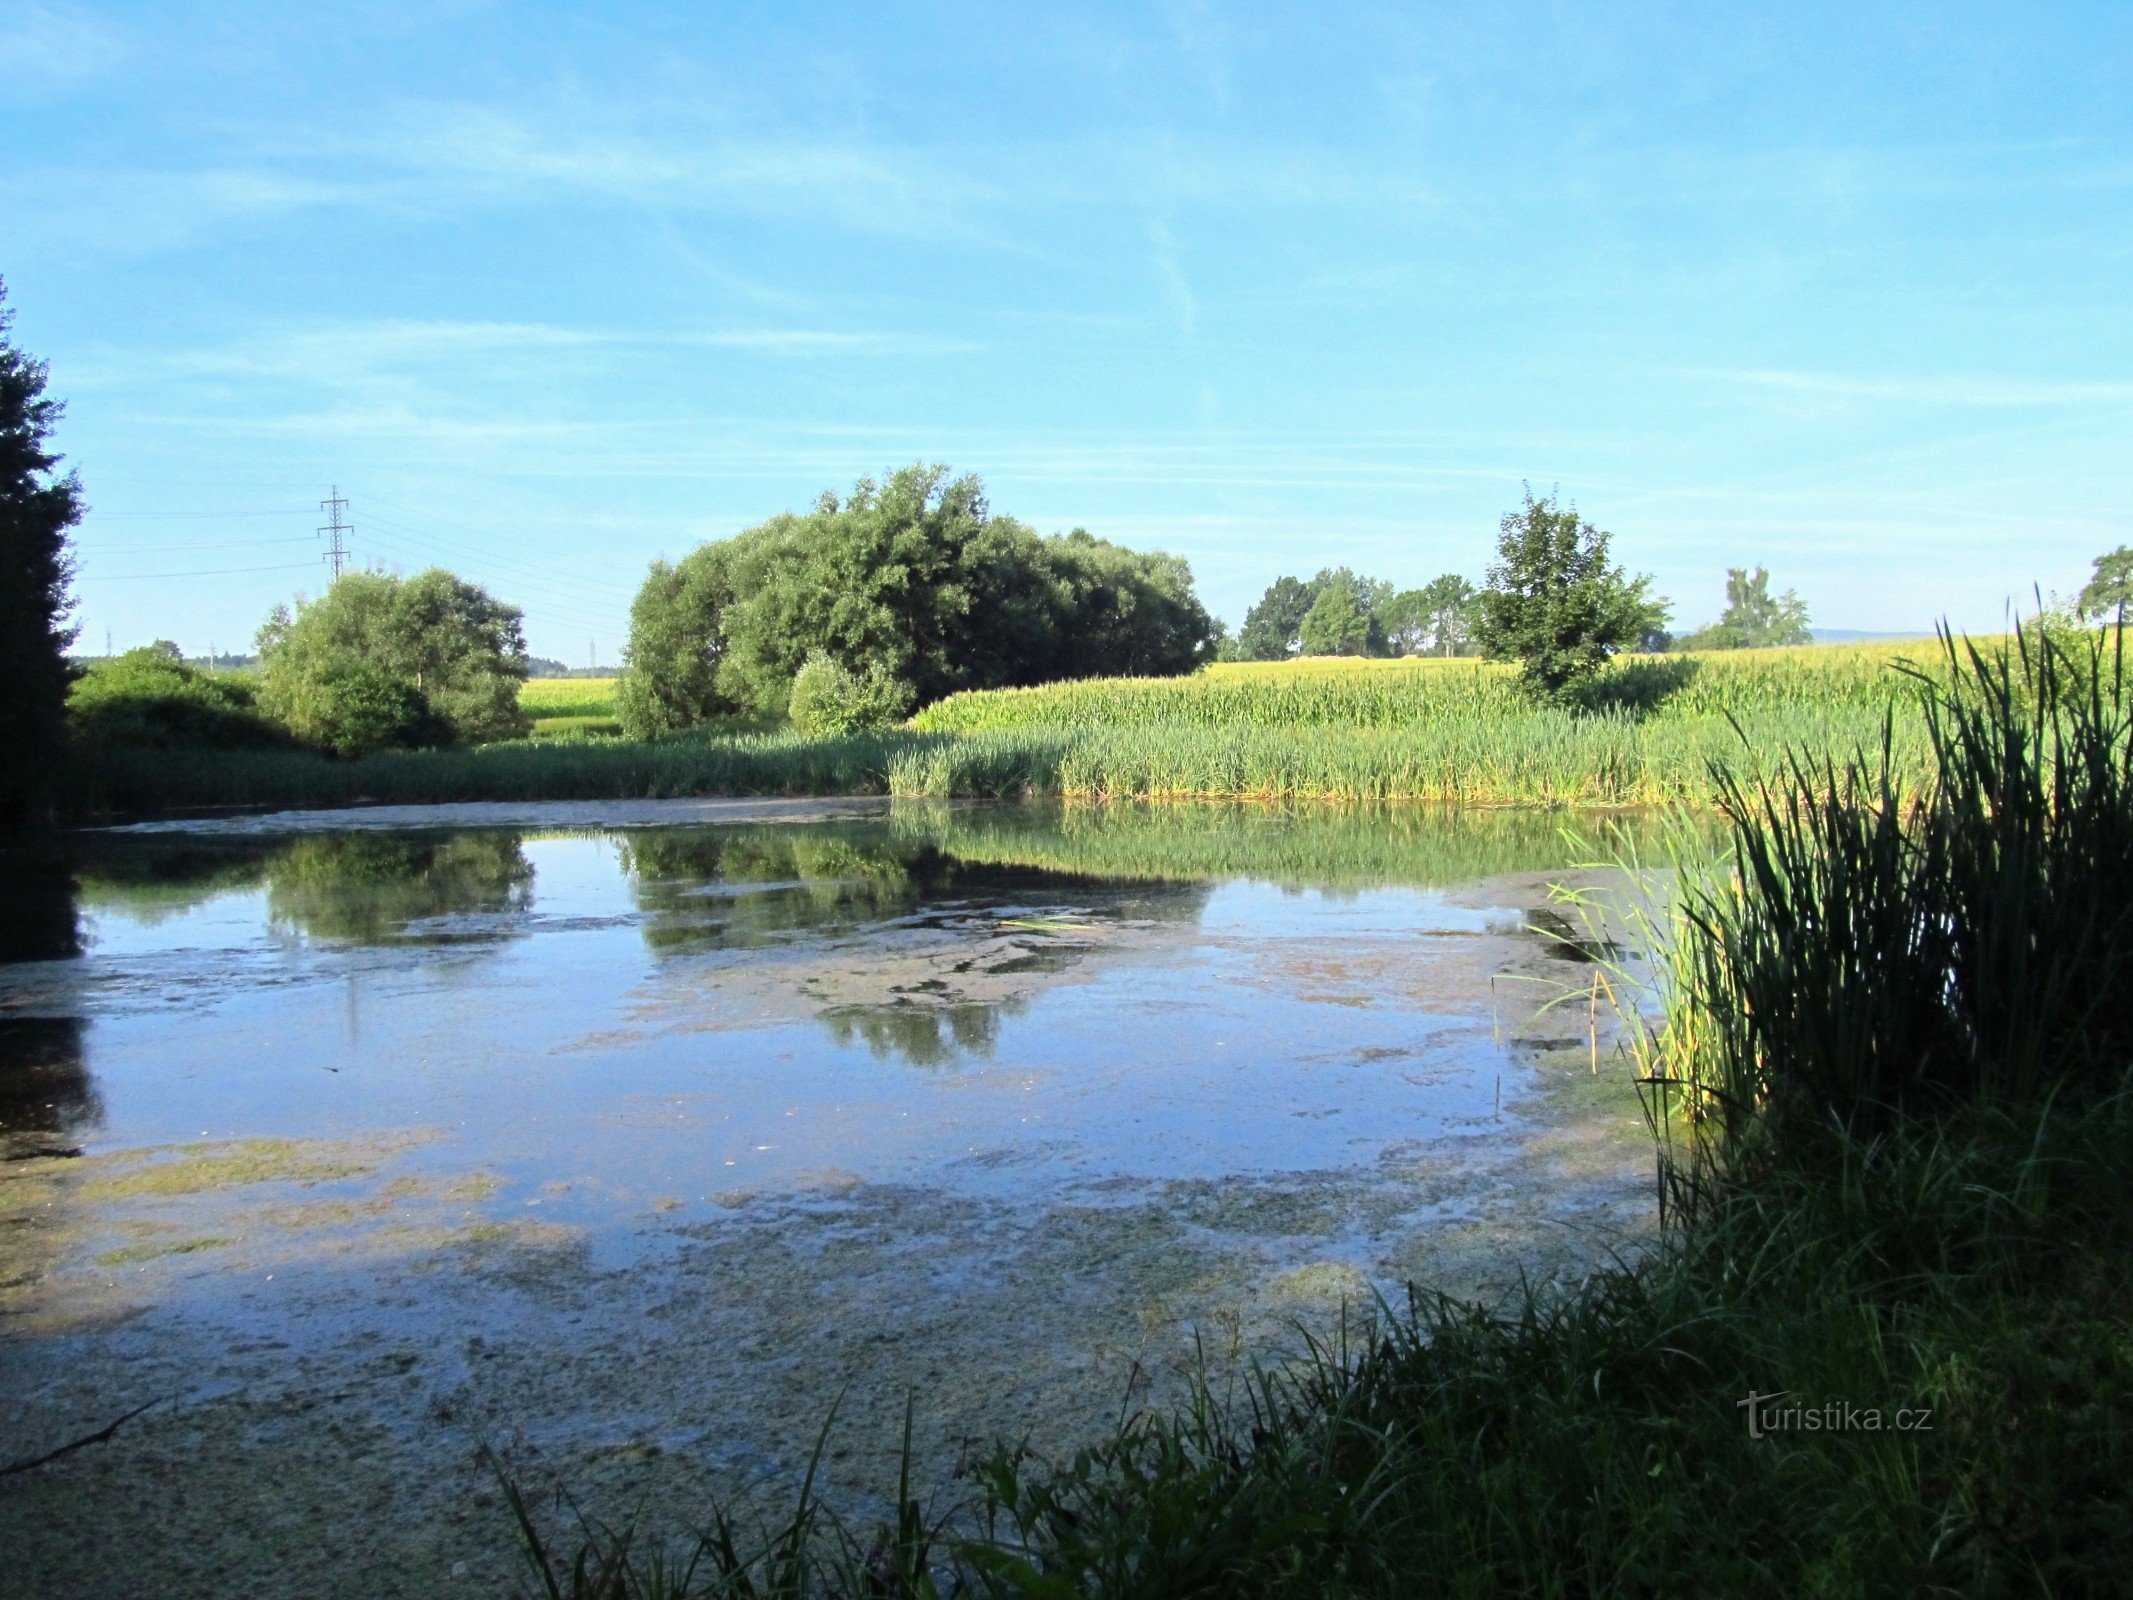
[(1883, 1346), (1651, 730)]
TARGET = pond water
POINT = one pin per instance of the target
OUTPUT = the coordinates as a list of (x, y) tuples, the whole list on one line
[(621, 1140)]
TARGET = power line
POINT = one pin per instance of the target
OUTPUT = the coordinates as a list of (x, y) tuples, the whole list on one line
[(337, 551), (101, 548), (575, 580), (211, 572), (191, 516)]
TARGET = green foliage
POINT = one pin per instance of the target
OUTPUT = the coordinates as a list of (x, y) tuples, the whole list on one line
[(1335, 625), (912, 580), (1914, 943), (670, 667), (2109, 591), (828, 700), (151, 697), (1644, 730), (1555, 604), (1754, 618), (381, 660), (1273, 627), (1335, 614), (1436, 619), (350, 707), (37, 507)]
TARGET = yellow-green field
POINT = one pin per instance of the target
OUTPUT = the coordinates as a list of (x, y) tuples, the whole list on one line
[(1336, 691), (1649, 729), (570, 706)]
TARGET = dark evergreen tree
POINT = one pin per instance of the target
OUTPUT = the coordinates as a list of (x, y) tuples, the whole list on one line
[(37, 507)]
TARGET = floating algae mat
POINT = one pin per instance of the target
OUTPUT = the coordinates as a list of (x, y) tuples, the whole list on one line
[(619, 1143)]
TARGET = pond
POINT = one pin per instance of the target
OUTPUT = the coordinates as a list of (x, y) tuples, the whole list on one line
[(622, 1141)]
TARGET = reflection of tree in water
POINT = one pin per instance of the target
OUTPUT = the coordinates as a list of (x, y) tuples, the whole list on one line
[(706, 888), (44, 1082), (149, 878), (923, 1036), (39, 924), (915, 953), (393, 888)]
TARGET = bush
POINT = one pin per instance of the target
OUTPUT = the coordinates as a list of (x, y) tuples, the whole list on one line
[(828, 700), (150, 697), (351, 707), (382, 660)]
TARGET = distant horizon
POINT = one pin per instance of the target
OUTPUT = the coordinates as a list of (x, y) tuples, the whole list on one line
[(1841, 294)]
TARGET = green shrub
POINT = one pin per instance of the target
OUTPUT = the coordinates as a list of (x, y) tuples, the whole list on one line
[(828, 700), (341, 670), (352, 707), (150, 697)]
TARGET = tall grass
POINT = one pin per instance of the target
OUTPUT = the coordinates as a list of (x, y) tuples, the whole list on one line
[(1904, 1029), (1899, 943)]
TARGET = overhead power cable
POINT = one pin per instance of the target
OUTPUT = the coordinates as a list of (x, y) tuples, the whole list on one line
[(191, 516), (211, 572)]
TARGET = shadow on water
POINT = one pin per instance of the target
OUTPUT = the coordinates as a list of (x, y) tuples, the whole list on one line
[(46, 1096)]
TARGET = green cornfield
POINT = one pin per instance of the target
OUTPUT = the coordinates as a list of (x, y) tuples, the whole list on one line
[(1648, 730), (570, 706)]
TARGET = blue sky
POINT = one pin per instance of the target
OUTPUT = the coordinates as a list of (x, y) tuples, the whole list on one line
[(549, 291)]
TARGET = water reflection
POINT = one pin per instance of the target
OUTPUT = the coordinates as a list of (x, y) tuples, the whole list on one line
[(707, 888), (914, 935), (354, 888), (46, 1096), (381, 888), (37, 921)]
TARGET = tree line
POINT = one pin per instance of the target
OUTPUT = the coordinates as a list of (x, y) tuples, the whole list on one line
[(1551, 563)]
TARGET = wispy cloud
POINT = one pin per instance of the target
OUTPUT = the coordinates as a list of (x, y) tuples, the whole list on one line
[(343, 354), (1939, 391), (44, 49)]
